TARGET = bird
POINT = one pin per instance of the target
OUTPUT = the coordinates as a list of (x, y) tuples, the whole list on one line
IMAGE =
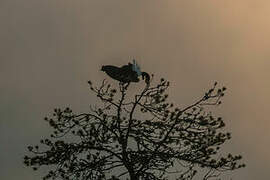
[(127, 73), (123, 74)]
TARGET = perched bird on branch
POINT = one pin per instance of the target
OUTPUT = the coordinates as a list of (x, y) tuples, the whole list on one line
[(127, 73)]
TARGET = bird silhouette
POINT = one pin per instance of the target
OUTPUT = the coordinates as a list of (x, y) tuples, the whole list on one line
[(127, 73)]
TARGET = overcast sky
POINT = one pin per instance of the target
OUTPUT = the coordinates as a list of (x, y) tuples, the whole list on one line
[(49, 49)]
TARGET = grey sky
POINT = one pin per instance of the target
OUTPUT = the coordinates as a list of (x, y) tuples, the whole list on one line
[(49, 49)]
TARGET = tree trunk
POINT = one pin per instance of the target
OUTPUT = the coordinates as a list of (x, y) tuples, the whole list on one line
[(133, 176)]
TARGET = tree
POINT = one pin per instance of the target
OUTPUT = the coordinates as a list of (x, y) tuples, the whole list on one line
[(136, 137)]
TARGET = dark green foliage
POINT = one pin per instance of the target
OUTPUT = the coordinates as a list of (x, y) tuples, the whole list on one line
[(113, 141)]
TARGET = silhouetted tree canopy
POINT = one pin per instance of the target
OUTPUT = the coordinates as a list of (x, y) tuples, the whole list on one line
[(137, 137)]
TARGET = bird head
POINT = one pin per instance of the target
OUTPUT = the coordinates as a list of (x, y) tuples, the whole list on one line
[(146, 77)]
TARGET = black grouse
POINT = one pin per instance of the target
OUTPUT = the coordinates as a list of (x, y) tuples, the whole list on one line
[(127, 73)]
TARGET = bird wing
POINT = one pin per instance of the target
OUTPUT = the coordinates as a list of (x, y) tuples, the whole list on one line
[(136, 68)]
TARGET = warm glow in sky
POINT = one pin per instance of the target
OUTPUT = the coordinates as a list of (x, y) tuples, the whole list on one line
[(50, 49)]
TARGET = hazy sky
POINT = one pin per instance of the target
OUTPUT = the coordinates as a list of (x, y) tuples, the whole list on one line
[(49, 49)]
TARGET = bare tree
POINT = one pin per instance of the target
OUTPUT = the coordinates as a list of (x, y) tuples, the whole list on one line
[(136, 137)]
